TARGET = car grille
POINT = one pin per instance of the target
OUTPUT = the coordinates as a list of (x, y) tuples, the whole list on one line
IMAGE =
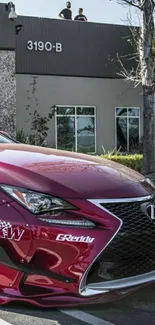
[(132, 251)]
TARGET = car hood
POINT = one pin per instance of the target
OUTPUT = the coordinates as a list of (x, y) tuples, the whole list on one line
[(69, 175)]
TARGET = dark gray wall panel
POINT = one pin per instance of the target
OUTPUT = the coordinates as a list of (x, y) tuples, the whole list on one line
[(7, 30), (88, 48)]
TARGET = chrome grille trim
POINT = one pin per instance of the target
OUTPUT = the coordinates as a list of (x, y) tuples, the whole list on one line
[(122, 200)]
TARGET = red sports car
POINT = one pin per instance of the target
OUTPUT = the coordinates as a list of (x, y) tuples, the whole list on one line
[(74, 229)]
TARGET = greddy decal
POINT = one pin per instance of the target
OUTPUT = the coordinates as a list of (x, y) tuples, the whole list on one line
[(9, 232), (70, 238)]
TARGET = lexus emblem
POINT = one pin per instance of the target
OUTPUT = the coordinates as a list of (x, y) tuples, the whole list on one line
[(151, 211)]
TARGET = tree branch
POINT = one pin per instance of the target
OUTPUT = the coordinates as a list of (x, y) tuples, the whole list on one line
[(131, 76), (130, 3)]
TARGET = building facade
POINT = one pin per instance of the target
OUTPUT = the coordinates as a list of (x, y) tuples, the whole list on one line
[(67, 76), (7, 73)]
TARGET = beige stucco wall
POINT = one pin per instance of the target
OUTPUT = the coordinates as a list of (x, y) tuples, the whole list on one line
[(41, 92), (7, 92)]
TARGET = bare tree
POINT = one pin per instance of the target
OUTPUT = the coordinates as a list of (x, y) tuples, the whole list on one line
[(144, 74)]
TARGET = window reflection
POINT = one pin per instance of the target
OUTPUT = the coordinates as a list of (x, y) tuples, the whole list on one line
[(85, 110), (76, 129), (85, 134), (133, 134), (66, 133), (121, 111), (65, 110), (133, 111), (122, 134), (127, 129)]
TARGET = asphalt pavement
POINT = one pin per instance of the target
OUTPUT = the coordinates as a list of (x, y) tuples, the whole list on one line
[(137, 309)]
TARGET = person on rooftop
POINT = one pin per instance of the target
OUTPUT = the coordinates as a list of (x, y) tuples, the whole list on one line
[(66, 13), (80, 15)]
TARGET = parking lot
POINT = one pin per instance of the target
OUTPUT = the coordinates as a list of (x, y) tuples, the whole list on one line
[(138, 309)]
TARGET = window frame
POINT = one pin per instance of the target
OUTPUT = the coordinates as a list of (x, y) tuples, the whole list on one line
[(127, 117), (76, 115)]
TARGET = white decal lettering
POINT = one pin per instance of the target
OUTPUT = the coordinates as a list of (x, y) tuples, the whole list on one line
[(9, 232), (15, 234), (70, 238)]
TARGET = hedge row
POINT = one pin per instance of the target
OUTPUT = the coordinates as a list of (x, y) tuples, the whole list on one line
[(132, 161)]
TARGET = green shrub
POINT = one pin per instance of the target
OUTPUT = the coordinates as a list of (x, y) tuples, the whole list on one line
[(131, 161)]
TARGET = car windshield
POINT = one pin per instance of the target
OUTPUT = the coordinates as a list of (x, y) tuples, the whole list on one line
[(5, 139)]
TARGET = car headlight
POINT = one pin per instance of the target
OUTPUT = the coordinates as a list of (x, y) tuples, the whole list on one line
[(37, 203), (47, 207)]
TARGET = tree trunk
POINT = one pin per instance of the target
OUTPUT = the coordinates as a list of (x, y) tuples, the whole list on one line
[(147, 77), (148, 168)]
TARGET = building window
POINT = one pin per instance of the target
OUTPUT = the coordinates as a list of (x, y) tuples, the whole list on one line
[(76, 128), (127, 129)]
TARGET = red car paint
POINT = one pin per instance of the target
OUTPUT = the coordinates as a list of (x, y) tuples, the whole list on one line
[(31, 243)]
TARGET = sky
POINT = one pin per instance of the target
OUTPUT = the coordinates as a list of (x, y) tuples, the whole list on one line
[(103, 11)]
